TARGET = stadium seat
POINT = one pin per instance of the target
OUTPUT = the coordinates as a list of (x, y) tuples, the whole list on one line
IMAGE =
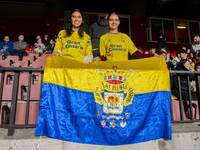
[(38, 64), (34, 54), (32, 47), (176, 111), (23, 83), (1, 57), (4, 121), (35, 86), (173, 53), (8, 86), (28, 58), (13, 58), (21, 113), (7, 63), (21, 64)]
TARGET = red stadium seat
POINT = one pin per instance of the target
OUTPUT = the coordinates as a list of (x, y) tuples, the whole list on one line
[(13, 58), (21, 64), (176, 111), (35, 86), (28, 58), (8, 86), (173, 53), (38, 64), (34, 54), (32, 48), (23, 83), (21, 113), (6, 63), (2, 104)]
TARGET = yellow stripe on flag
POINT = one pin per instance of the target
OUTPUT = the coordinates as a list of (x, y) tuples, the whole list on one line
[(149, 74)]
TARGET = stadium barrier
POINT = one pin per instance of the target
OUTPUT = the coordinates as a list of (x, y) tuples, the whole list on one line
[(20, 90)]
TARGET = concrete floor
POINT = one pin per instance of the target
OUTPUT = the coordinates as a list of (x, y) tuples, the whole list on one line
[(185, 136)]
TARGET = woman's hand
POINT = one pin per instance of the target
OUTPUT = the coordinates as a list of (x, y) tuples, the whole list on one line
[(156, 55), (96, 58), (55, 54)]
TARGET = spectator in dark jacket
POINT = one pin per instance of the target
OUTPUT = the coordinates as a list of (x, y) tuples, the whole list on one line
[(162, 41), (50, 47), (96, 30), (184, 65)]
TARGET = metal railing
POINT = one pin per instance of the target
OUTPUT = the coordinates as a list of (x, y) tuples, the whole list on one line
[(11, 125), (188, 95), (8, 114)]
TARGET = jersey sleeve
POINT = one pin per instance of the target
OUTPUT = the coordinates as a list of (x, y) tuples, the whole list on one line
[(59, 44), (131, 46), (102, 47), (88, 50)]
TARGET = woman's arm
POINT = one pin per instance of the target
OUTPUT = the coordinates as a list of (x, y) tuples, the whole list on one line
[(138, 54)]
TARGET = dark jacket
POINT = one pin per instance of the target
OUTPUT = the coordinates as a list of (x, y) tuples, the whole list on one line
[(96, 30)]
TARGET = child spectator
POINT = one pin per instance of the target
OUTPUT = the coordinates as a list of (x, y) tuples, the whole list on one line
[(6, 47), (20, 47)]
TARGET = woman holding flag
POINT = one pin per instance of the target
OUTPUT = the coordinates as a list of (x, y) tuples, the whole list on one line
[(73, 42), (115, 46)]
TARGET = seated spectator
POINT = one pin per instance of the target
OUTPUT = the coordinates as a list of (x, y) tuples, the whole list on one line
[(196, 44), (197, 66), (37, 38), (184, 65), (180, 54), (39, 47), (191, 58), (145, 52), (6, 47), (163, 54), (198, 58), (152, 50), (20, 47), (46, 39), (50, 47), (184, 48)]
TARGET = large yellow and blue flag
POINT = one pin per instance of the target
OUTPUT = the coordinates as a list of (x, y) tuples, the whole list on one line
[(105, 103)]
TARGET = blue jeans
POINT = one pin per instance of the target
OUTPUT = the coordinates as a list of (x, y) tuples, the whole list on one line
[(5, 53)]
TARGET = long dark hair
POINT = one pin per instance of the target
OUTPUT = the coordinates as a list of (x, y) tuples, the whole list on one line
[(69, 30)]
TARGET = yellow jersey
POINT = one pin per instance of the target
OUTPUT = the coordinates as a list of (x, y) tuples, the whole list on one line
[(73, 46), (115, 47)]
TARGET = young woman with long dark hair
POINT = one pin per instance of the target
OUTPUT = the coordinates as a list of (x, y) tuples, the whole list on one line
[(73, 42)]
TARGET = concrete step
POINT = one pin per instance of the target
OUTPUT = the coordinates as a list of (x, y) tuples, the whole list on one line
[(185, 136)]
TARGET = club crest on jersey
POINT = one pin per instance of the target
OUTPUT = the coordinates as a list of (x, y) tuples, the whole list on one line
[(113, 98)]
